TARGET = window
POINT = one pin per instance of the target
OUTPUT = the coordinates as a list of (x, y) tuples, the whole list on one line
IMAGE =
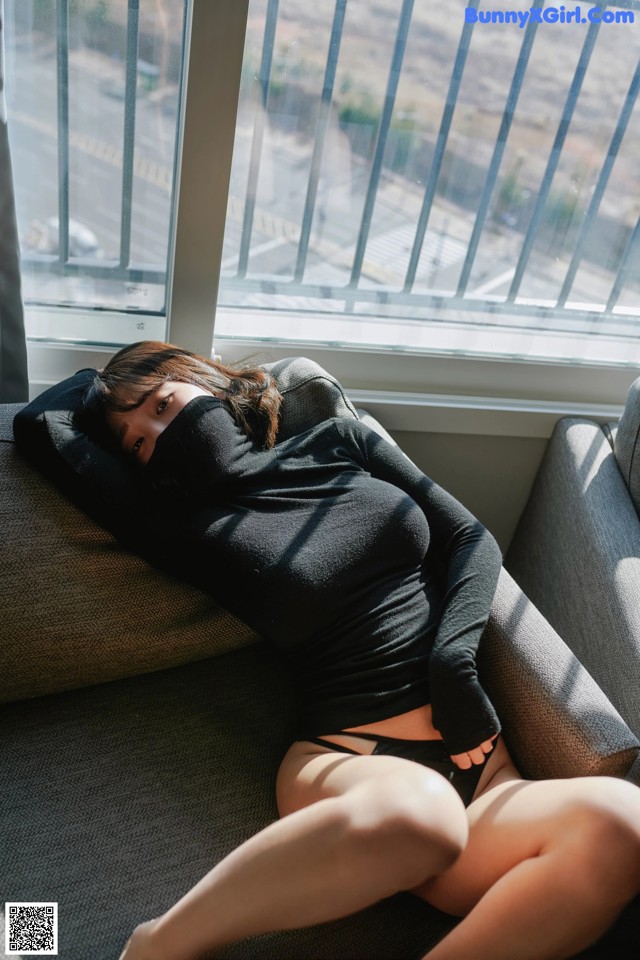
[(409, 161), (93, 94), (443, 179)]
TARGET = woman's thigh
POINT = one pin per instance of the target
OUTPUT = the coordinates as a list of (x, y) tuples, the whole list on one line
[(309, 773), (519, 819)]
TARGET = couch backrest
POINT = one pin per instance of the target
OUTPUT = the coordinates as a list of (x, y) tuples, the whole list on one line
[(626, 445), (76, 608)]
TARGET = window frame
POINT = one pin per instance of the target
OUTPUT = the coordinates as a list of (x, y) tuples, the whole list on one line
[(460, 391)]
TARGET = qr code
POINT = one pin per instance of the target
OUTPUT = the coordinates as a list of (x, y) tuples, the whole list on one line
[(31, 929)]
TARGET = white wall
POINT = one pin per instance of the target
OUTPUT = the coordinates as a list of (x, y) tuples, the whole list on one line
[(491, 475)]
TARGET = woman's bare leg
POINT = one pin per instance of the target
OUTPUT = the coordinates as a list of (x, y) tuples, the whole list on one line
[(354, 830), (548, 867)]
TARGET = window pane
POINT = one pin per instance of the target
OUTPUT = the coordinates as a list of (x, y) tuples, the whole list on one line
[(409, 161), (93, 91)]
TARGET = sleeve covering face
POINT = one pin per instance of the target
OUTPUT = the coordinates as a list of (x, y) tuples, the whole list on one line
[(201, 450)]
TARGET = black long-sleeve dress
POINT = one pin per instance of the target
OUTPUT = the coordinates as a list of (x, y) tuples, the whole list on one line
[(372, 581)]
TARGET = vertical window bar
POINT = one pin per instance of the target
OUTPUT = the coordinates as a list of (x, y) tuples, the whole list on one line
[(601, 185), (623, 269), (129, 131), (321, 133), (501, 142), (438, 154), (62, 60), (381, 140), (258, 136), (554, 157)]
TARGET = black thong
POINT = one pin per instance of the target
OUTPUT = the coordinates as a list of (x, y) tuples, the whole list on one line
[(429, 753)]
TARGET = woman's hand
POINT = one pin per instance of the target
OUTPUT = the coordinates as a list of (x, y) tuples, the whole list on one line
[(476, 756)]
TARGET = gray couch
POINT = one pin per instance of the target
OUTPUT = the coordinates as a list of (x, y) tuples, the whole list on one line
[(142, 725), (576, 550)]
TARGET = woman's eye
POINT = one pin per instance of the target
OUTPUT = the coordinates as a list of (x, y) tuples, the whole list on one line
[(137, 445), (164, 403)]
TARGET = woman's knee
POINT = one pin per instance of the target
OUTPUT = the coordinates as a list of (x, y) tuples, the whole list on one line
[(416, 820), (603, 832)]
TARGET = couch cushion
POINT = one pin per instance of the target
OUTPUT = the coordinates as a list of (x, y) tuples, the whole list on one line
[(310, 395), (153, 780), (76, 608), (626, 443)]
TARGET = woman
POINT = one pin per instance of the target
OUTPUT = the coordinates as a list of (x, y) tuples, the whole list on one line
[(376, 585)]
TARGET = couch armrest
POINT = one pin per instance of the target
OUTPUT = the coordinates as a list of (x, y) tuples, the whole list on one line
[(576, 554), (557, 721)]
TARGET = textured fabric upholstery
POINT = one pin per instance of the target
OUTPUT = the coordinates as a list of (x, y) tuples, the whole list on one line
[(627, 445), (539, 688), (118, 798), (310, 395), (576, 554), (610, 431), (76, 608)]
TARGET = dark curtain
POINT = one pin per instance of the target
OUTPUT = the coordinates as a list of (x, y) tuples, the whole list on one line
[(14, 384)]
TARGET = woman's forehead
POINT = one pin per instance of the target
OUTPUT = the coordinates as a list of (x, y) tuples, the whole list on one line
[(135, 398)]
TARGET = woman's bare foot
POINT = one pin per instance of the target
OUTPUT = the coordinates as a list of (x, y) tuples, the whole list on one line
[(138, 946)]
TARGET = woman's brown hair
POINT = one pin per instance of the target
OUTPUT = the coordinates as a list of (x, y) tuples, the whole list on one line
[(139, 369)]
